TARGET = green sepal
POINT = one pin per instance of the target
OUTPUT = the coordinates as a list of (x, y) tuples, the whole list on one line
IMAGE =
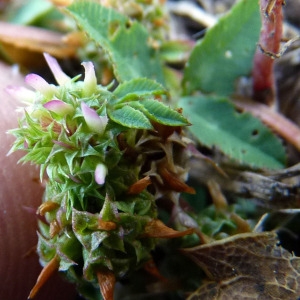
[(84, 226)]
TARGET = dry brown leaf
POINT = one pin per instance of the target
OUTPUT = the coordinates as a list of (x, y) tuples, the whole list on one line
[(247, 266), (107, 281), (25, 44)]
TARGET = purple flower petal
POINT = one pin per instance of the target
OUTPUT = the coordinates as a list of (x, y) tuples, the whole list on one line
[(90, 80), (100, 173), (40, 84), (60, 77), (59, 107), (27, 96), (95, 122)]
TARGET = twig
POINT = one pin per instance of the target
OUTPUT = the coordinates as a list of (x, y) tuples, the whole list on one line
[(189, 9), (285, 47)]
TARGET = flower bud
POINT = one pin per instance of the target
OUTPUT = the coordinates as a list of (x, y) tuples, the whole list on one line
[(59, 107), (95, 122), (90, 80), (100, 173), (40, 84), (60, 77)]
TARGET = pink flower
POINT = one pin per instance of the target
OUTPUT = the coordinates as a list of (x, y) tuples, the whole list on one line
[(95, 122), (90, 80), (27, 96), (60, 77), (59, 107), (41, 85), (100, 173)]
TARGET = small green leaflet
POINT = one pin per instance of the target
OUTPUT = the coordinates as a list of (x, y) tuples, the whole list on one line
[(134, 105), (226, 52), (159, 112), (239, 135), (137, 88), (129, 117), (137, 114), (125, 43)]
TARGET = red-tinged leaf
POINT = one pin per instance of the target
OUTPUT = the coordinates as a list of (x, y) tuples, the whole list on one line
[(173, 182), (152, 269), (106, 225), (139, 186), (46, 273), (46, 207), (157, 229), (54, 228), (106, 280)]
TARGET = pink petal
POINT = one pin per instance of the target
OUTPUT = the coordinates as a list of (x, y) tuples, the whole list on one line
[(40, 84), (21, 93), (90, 80), (59, 107), (100, 173), (95, 122), (60, 77)]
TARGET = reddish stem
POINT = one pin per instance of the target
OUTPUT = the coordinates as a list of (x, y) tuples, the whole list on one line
[(270, 37)]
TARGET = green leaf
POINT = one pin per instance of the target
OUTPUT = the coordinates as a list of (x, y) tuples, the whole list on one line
[(239, 135), (161, 113), (226, 52), (175, 51), (137, 88), (38, 155), (129, 117), (125, 43), (31, 11)]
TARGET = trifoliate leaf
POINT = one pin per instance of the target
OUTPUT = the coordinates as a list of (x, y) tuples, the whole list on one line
[(226, 52), (126, 44), (239, 135), (129, 117)]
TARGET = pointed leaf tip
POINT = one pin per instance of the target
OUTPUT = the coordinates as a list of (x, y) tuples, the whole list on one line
[(107, 281), (45, 274), (59, 75), (157, 229)]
